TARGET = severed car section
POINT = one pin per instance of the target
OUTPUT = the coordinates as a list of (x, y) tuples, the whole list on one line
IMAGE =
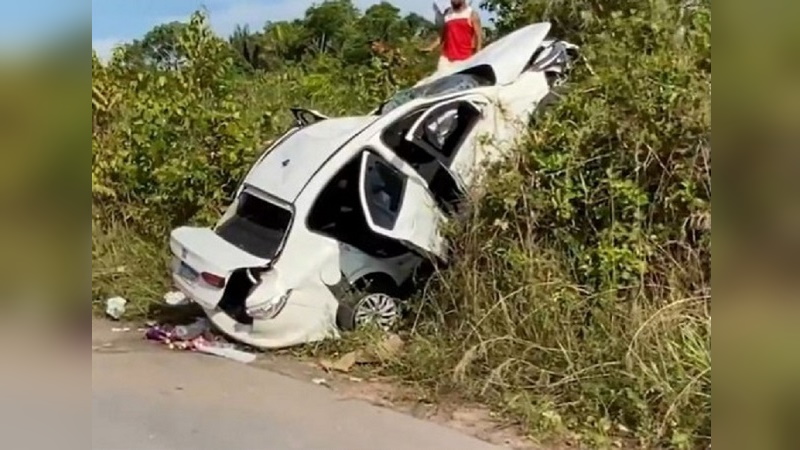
[(331, 224)]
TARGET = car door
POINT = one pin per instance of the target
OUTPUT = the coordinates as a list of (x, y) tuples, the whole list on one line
[(399, 206), (452, 132)]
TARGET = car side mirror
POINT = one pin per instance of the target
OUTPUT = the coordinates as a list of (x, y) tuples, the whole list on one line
[(305, 117)]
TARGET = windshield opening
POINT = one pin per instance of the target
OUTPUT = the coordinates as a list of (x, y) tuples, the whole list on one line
[(446, 85), (257, 226)]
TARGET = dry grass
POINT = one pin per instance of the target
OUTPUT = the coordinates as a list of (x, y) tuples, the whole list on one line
[(127, 265), (578, 299), (516, 331)]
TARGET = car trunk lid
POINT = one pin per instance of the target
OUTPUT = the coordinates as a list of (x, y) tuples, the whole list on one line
[(203, 262)]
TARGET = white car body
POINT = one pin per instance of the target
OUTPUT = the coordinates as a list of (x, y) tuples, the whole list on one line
[(274, 273)]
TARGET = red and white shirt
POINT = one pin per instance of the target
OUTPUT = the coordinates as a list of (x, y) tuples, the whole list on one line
[(458, 34)]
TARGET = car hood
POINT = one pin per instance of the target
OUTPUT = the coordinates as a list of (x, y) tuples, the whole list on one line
[(506, 57)]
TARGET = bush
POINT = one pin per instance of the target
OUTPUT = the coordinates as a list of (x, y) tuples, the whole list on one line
[(126, 264), (170, 145), (580, 296)]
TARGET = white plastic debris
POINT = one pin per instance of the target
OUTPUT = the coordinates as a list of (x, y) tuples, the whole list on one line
[(115, 307), (176, 298), (225, 352), (321, 382)]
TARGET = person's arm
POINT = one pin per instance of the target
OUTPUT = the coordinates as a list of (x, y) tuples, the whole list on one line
[(476, 24), (439, 20)]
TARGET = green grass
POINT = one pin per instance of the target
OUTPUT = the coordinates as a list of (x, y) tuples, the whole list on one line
[(127, 265), (578, 300), (551, 357)]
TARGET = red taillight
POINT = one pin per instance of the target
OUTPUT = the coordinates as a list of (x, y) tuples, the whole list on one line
[(213, 280)]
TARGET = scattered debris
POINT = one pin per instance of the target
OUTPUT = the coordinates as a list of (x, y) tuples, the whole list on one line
[(176, 298), (356, 379), (384, 350), (115, 307), (195, 329), (108, 347), (120, 330), (321, 382), (223, 350), (192, 337), (344, 364)]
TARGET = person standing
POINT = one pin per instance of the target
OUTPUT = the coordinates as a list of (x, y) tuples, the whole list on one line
[(460, 34)]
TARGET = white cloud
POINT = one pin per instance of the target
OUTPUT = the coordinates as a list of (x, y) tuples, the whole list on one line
[(105, 46)]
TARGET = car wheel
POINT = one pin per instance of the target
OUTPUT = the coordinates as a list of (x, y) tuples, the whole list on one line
[(376, 306), (376, 309)]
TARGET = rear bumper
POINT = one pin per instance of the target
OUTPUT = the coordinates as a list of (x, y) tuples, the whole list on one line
[(309, 316), (205, 296)]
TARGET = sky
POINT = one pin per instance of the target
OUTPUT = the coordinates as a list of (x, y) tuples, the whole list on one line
[(23, 22), (116, 21)]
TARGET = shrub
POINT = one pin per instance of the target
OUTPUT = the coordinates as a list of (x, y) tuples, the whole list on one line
[(580, 294)]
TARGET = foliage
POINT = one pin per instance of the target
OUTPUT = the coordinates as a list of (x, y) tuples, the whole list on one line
[(170, 144), (580, 296), (333, 27), (159, 48)]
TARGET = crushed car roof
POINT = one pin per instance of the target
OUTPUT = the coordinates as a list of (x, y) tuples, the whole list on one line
[(288, 167)]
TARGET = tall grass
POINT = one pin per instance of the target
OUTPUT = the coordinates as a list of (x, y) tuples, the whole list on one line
[(517, 330), (578, 297), (126, 264)]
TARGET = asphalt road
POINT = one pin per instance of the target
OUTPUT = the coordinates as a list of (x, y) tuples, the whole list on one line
[(173, 401)]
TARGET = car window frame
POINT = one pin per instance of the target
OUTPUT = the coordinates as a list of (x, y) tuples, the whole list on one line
[(275, 201), (314, 202), (377, 158)]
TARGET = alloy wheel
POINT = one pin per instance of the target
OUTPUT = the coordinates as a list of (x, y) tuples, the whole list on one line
[(378, 309)]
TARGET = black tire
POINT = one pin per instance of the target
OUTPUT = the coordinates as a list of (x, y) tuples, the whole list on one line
[(348, 308)]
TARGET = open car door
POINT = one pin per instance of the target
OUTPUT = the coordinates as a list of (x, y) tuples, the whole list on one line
[(450, 130), (400, 207)]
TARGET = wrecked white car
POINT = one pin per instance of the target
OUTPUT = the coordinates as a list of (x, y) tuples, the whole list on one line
[(354, 204)]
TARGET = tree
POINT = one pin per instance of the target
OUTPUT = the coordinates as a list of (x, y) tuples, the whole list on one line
[(571, 19), (419, 26), (159, 48), (248, 47), (284, 41), (382, 22), (331, 24)]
